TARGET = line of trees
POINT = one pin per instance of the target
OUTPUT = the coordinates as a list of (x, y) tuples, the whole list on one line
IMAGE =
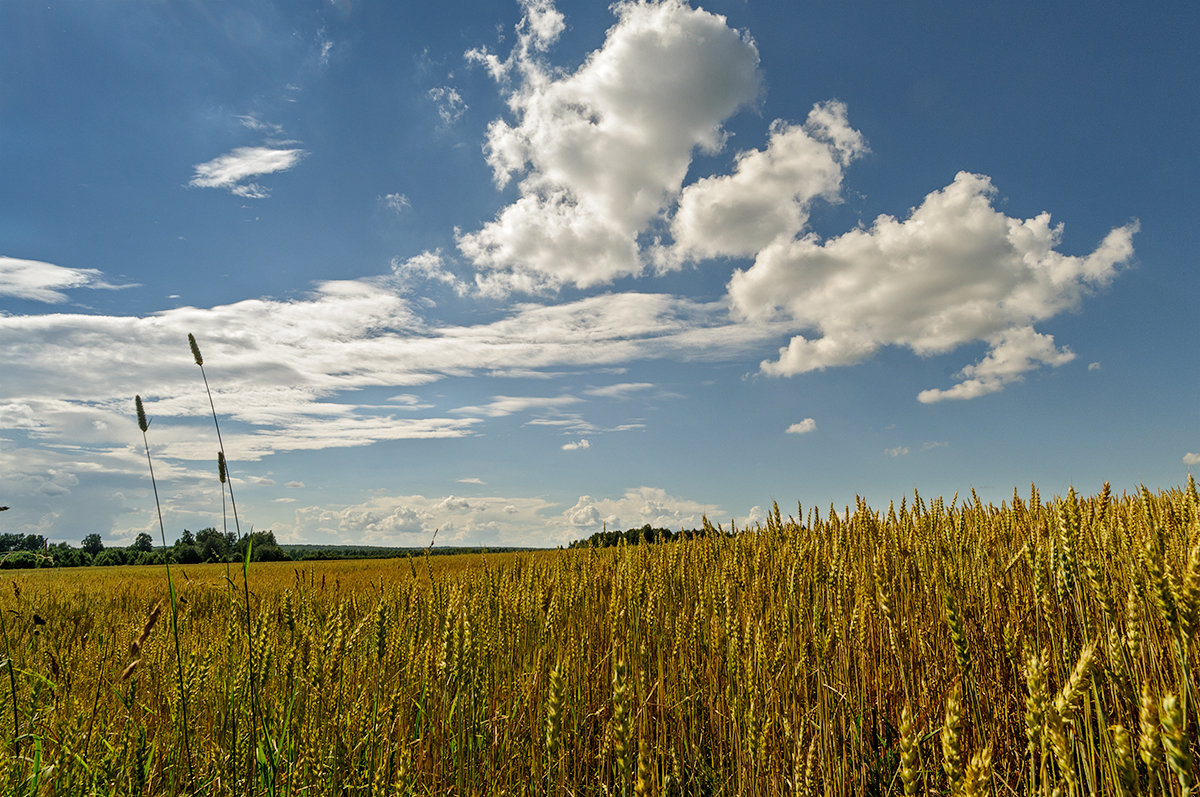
[(207, 545), (606, 538)]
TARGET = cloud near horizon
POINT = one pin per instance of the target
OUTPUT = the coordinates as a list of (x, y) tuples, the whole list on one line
[(286, 370), (403, 520)]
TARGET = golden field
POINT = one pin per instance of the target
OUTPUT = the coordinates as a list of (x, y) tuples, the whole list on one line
[(943, 647)]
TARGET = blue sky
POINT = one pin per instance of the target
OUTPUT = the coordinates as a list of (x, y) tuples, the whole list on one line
[(517, 270)]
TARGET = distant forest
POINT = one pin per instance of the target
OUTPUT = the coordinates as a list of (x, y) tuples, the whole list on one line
[(207, 545), (605, 539), (308, 552), (18, 551)]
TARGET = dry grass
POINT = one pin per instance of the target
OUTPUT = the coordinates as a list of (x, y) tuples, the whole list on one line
[(930, 648)]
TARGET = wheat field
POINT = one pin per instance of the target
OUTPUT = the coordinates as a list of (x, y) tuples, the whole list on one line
[(943, 647)]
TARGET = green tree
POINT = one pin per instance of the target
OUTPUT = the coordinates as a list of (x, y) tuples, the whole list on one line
[(110, 556), (92, 544), (19, 560), (214, 546), (187, 554), (66, 556), (144, 542), (33, 542), (265, 548)]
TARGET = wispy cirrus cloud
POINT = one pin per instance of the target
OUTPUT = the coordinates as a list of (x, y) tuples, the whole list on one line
[(395, 202), (621, 390), (501, 406), (253, 122), (45, 282), (232, 170), (450, 104), (289, 369)]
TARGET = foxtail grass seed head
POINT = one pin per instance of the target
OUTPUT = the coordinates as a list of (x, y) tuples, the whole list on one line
[(195, 349), (143, 424), (222, 471)]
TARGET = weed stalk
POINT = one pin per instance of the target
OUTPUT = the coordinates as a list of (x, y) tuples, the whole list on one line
[(144, 425)]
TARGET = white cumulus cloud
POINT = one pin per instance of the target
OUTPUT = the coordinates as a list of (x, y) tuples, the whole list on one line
[(1191, 459), (603, 150), (1012, 353), (955, 271), (428, 267), (576, 445), (636, 508), (412, 519), (769, 194), (803, 427)]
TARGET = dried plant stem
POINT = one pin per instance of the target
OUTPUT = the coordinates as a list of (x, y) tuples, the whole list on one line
[(227, 484), (12, 685), (220, 443), (144, 425)]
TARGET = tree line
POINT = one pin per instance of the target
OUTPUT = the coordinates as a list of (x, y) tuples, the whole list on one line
[(207, 545), (645, 534)]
